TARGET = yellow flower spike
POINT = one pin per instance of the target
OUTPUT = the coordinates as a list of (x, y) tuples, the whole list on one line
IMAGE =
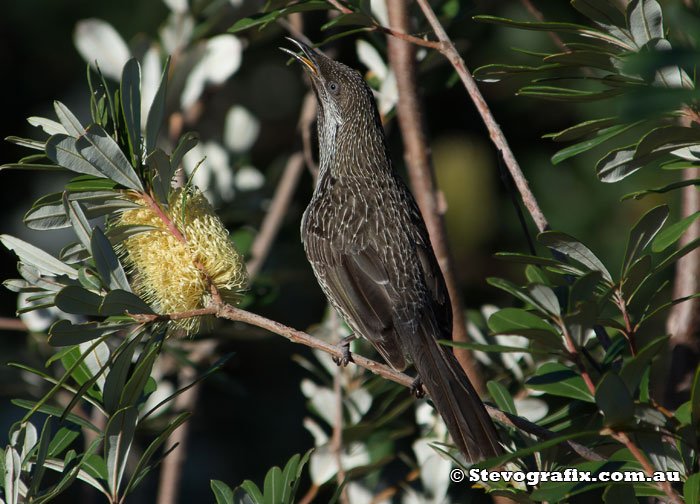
[(165, 269)]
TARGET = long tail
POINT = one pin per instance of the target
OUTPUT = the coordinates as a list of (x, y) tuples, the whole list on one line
[(454, 397)]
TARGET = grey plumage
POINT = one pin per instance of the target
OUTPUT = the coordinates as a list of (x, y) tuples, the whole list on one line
[(369, 248)]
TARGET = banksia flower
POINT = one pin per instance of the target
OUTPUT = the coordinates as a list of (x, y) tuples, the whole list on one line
[(174, 274)]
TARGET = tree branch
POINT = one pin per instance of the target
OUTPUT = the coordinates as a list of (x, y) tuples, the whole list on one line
[(450, 52), (402, 58), (229, 312)]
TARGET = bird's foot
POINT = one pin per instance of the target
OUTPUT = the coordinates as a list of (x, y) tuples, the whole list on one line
[(344, 346), (417, 388)]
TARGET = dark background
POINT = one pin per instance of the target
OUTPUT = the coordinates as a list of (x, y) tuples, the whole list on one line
[(249, 416)]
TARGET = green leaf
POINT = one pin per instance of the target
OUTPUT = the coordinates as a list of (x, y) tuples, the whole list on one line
[(671, 234), (524, 323), (502, 397), (119, 302), (143, 465), (602, 135), (661, 189), (161, 173), (601, 11), (222, 492), (691, 488), (559, 380), (55, 411), (568, 94), (119, 435), (253, 491), (78, 220), (134, 388), (642, 233), (41, 454), (118, 373), (70, 123), (645, 21), (186, 143), (61, 150), (613, 398), (64, 333), (677, 255), (33, 256), (26, 142), (103, 153), (695, 398), (540, 261), (545, 297), (63, 438), (582, 129), (350, 19), (637, 275), (573, 249), (79, 301), (130, 89), (157, 111), (107, 262), (634, 368), (268, 17), (49, 126)]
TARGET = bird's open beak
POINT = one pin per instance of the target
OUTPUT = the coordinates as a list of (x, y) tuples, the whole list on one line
[(307, 58)]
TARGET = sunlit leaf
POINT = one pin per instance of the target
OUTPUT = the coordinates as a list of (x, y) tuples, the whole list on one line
[(642, 233), (119, 435), (557, 379), (130, 88), (104, 154)]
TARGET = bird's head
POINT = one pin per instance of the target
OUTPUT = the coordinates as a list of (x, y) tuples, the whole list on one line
[(341, 92)]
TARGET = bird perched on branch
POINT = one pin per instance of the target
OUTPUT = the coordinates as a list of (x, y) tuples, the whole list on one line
[(371, 253)]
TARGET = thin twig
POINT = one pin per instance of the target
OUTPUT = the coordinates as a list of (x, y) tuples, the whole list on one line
[(448, 49), (234, 314), (402, 58), (337, 437), (171, 470), (275, 213)]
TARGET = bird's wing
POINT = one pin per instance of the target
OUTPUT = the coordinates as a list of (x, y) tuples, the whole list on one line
[(358, 283)]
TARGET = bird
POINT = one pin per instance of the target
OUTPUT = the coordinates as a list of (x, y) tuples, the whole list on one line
[(370, 251)]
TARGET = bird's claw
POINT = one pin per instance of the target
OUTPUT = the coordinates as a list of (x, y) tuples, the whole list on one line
[(344, 346), (417, 388)]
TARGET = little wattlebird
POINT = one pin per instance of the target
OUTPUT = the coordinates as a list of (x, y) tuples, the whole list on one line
[(369, 248)]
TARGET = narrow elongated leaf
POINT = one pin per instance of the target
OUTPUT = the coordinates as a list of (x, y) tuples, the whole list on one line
[(157, 111), (695, 398), (502, 397), (666, 139), (13, 471), (34, 256), (55, 411), (642, 233), (545, 297), (273, 487), (107, 262), (222, 492), (161, 173), (661, 189), (557, 379), (63, 438), (582, 129), (602, 12), (269, 17), (61, 150), (50, 127), (78, 220), (26, 142), (491, 348), (45, 217), (41, 455), (79, 301), (186, 143), (119, 435), (104, 154), (130, 88), (568, 94), (602, 136), (118, 373), (677, 255), (573, 249), (144, 463), (134, 387), (672, 234), (68, 120), (645, 21)]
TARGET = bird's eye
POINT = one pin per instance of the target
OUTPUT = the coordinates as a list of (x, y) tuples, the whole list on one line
[(333, 87)]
